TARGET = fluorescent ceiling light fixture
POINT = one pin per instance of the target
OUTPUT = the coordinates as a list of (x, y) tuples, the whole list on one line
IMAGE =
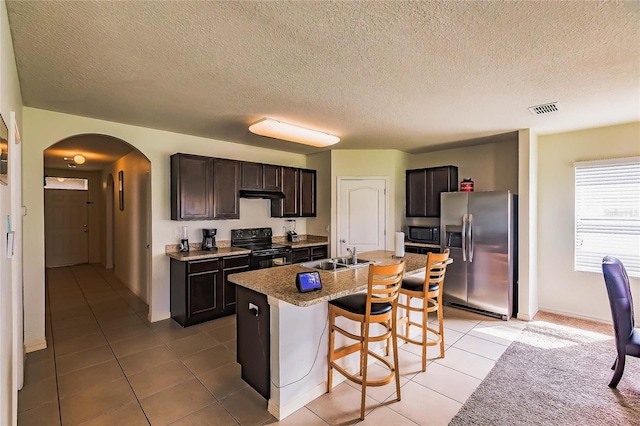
[(78, 159), (292, 133)]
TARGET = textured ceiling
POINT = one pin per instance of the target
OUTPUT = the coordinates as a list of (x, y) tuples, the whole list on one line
[(403, 75)]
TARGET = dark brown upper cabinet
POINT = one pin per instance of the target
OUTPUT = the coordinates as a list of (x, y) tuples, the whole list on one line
[(205, 188), (299, 187), (256, 176), (226, 178), (424, 187), (289, 206), (271, 177), (251, 175), (191, 187), (307, 193)]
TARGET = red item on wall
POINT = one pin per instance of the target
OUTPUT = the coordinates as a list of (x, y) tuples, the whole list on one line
[(466, 185)]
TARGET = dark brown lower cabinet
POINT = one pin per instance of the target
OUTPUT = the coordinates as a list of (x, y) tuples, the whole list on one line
[(200, 291), (232, 265), (305, 254), (300, 255), (319, 252), (253, 344), (421, 250)]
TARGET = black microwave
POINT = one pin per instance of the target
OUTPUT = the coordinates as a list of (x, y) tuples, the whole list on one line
[(424, 234)]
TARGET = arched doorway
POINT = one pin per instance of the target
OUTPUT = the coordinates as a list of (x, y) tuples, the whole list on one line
[(118, 211)]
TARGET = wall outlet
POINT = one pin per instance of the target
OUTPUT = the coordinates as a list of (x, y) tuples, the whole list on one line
[(253, 308), (327, 228)]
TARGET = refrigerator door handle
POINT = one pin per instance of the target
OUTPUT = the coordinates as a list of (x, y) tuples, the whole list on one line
[(470, 238), (464, 237)]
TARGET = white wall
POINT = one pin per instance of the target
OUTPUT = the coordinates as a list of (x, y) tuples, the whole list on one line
[(383, 162), (130, 224), (11, 344), (561, 289), (527, 225), (44, 128), (321, 163), (493, 166)]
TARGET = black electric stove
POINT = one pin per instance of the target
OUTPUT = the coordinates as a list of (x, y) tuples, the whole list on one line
[(264, 253)]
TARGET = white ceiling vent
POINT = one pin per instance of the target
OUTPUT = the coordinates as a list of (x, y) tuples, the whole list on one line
[(544, 108)]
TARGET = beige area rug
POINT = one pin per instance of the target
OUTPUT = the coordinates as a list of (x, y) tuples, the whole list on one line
[(556, 373)]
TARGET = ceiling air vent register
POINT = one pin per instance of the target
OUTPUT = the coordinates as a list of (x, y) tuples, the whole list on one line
[(544, 108)]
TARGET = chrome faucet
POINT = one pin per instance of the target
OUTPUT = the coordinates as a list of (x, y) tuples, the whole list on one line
[(353, 253)]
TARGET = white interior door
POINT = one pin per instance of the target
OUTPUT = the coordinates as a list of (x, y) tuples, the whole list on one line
[(65, 227), (362, 214)]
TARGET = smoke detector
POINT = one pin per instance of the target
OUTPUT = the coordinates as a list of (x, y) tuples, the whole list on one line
[(544, 108)]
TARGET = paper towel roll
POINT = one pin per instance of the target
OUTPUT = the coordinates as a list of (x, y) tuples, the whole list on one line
[(399, 252)]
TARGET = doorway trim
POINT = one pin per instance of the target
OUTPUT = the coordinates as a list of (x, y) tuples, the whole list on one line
[(339, 183), (109, 225)]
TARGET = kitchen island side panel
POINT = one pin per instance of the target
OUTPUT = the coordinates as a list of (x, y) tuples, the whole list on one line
[(253, 339)]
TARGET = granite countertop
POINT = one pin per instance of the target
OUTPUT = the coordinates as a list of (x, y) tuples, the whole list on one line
[(204, 254), (411, 243), (279, 282)]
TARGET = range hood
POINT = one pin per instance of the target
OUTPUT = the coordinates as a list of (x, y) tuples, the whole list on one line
[(258, 193)]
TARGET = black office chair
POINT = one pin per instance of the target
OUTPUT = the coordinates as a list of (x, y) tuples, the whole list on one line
[(627, 335)]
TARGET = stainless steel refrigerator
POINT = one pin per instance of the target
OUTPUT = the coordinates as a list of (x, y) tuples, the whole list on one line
[(480, 230)]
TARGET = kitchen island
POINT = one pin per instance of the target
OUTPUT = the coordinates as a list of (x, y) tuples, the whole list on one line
[(282, 333)]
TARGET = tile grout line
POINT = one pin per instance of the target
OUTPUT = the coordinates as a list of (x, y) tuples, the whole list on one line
[(216, 400), (116, 291), (450, 346), (53, 346), (219, 400), (110, 347)]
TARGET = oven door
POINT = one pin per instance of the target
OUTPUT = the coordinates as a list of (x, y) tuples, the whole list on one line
[(268, 260)]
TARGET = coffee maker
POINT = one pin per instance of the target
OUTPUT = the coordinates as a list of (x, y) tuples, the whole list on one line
[(291, 231), (209, 239)]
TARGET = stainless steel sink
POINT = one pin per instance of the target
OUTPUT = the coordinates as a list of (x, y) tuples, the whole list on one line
[(325, 265), (349, 261), (336, 264)]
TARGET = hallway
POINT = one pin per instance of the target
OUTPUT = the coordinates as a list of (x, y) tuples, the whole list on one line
[(107, 365)]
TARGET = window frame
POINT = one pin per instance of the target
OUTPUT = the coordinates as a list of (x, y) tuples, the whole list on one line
[(619, 214)]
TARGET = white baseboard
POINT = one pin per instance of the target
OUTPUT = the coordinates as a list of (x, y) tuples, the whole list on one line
[(35, 346), (296, 404), (574, 315), (523, 317), (303, 399), (159, 316)]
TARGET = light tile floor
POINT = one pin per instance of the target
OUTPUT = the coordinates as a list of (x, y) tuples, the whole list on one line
[(107, 365)]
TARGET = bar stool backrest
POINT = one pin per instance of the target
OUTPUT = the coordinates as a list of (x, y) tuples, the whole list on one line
[(384, 284), (436, 269)]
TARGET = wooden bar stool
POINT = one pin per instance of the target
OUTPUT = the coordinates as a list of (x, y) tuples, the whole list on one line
[(428, 287), (377, 306)]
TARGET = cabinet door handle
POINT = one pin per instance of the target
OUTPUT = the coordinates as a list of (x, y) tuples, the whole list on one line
[(343, 240)]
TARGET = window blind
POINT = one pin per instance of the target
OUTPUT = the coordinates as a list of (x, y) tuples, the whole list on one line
[(607, 209)]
